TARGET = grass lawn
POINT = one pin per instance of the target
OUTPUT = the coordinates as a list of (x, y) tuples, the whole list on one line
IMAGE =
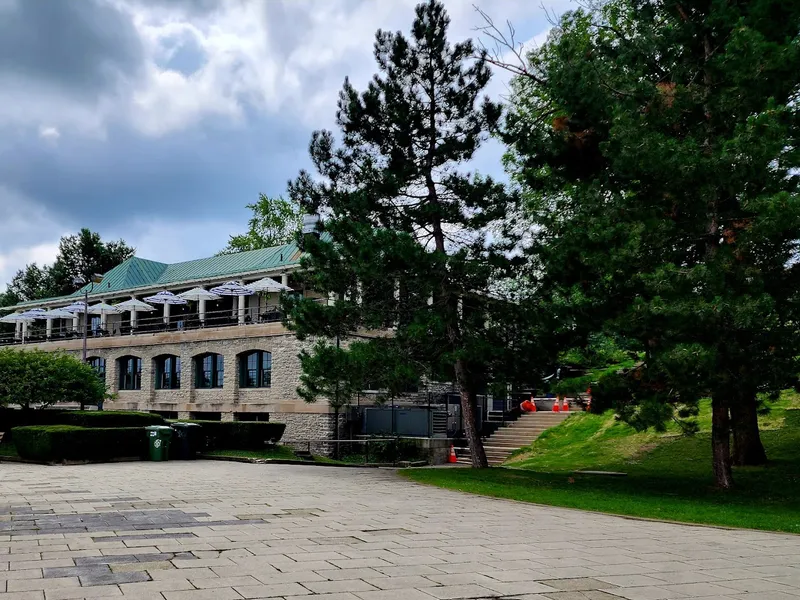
[(669, 475)]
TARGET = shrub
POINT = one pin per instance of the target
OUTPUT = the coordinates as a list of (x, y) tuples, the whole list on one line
[(110, 418), (67, 442), (31, 378), (239, 435), (11, 418)]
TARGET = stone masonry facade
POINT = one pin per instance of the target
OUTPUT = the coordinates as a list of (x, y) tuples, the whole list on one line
[(303, 421)]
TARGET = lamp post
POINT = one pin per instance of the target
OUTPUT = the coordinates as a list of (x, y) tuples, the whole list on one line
[(81, 281)]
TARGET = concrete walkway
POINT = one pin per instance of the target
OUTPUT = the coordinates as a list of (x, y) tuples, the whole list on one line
[(217, 530)]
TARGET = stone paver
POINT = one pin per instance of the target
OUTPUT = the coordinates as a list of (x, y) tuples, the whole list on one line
[(195, 530)]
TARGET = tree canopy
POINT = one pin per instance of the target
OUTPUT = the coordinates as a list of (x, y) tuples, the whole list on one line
[(274, 221), (79, 255), (656, 144), (408, 243), (37, 379)]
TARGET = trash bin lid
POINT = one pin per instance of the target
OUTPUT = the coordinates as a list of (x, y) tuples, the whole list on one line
[(157, 427)]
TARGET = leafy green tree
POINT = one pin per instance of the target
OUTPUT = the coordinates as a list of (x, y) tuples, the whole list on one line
[(407, 244), (275, 221), (79, 255), (37, 379), (657, 146), (30, 283), (83, 255)]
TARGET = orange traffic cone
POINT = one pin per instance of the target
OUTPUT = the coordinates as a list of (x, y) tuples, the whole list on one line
[(556, 407), (565, 406), (453, 458)]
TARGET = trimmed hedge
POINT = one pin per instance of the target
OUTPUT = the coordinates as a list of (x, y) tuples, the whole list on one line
[(111, 418), (239, 435), (67, 442), (11, 418)]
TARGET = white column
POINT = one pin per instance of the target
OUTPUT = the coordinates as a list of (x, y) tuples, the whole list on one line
[(49, 328), (18, 330), (75, 322), (133, 320), (24, 330), (201, 309), (242, 300), (166, 313), (285, 279), (103, 320)]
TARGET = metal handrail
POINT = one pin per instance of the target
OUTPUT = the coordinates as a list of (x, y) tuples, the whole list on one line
[(180, 321)]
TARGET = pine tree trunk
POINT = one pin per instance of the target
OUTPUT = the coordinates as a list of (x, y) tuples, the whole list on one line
[(469, 410), (721, 444), (747, 447)]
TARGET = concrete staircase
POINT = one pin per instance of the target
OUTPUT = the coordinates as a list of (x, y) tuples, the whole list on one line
[(517, 434)]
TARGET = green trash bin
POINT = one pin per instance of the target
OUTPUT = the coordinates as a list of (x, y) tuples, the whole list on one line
[(186, 442), (158, 438)]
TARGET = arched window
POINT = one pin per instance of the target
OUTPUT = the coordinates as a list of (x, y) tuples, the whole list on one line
[(209, 370), (99, 365), (255, 369), (130, 373), (168, 372)]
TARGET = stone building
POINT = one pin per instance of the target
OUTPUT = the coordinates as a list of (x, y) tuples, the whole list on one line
[(227, 358)]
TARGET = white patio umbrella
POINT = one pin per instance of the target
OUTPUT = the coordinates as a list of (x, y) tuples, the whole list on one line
[(268, 284), (59, 313), (15, 318), (76, 307), (135, 306), (34, 313), (103, 309), (56, 313), (234, 288), (199, 295), (18, 318), (167, 299)]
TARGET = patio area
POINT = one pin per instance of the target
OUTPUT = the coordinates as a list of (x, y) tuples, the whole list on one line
[(194, 530)]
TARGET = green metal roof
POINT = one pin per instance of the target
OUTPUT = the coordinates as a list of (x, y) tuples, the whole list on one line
[(136, 273)]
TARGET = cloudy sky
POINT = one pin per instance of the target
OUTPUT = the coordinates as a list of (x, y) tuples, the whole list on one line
[(158, 120)]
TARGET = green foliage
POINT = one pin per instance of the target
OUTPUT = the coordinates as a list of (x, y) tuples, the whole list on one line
[(239, 435), (276, 452), (33, 378), (80, 255), (668, 476), (66, 442), (110, 418), (275, 221), (657, 150), (10, 418), (409, 242)]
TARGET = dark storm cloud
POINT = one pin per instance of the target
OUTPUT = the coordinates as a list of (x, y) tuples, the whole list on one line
[(78, 46)]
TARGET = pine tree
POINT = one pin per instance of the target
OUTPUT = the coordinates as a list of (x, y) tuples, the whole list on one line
[(407, 242), (657, 142)]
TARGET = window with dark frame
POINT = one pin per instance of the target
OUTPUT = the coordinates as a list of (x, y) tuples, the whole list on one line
[(168, 372), (255, 369), (210, 371), (99, 365), (130, 373)]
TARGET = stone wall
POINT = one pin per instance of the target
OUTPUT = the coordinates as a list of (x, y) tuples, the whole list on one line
[(230, 400)]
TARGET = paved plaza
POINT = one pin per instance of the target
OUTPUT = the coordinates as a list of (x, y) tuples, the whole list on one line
[(219, 531)]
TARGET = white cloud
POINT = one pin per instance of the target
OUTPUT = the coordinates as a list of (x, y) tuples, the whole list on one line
[(49, 134)]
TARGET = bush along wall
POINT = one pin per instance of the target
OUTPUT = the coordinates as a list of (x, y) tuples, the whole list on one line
[(54, 443), (11, 418), (239, 435)]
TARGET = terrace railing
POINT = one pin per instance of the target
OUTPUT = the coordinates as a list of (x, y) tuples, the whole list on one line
[(37, 333)]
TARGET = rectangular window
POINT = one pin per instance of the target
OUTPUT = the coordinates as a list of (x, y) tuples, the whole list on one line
[(255, 370), (220, 372), (130, 373)]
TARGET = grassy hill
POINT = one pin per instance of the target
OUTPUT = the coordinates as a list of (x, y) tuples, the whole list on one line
[(668, 474)]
